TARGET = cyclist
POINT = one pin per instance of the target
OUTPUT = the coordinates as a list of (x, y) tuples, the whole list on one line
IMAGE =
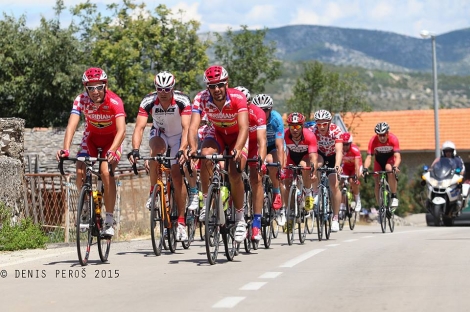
[(302, 150), (226, 109), (330, 152), (105, 128), (352, 165), (256, 146), (275, 150), (386, 149), (171, 113)]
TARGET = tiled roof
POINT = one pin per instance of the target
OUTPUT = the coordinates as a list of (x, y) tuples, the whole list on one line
[(414, 128)]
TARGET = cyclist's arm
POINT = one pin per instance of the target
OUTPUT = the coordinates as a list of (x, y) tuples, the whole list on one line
[(262, 145), (185, 122), (313, 157), (280, 151), (74, 119), (192, 131), (397, 157), (120, 133), (140, 124), (339, 154), (243, 126), (367, 161), (357, 164)]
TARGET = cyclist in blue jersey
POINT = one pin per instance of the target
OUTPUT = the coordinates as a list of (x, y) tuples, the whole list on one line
[(275, 151)]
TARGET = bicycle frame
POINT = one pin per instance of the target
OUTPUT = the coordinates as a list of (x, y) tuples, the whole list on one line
[(385, 201)]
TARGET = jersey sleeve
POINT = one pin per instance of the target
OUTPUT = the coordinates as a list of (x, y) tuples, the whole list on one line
[(311, 141), (197, 106), (77, 105), (396, 144), (278, 126), (146, 105), (370, 148)]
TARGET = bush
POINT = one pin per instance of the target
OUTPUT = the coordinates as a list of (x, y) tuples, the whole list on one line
[(24, 235)]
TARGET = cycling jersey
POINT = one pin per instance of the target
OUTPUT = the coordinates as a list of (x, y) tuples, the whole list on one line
[(326, 143), (297, 150), (383, 151), (257, 121), (224, 121), (349, 157), (274, 128), (100, 118), (167, 122)]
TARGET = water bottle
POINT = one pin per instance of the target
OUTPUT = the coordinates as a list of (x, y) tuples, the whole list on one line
[(224, 194), (97, 199), (201, 200)]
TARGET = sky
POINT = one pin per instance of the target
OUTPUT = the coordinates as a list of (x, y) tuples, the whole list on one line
[(405, 17)]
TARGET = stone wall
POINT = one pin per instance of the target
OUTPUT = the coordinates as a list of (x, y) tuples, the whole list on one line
[(11, 162)]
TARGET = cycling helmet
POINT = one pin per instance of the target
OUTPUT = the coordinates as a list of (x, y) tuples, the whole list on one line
[(295, 118), (448, 145), (322, 115), (263, 101), (245, 92), (215, 74), (164, 79), (347, 137), (382, 128), (94, 74)]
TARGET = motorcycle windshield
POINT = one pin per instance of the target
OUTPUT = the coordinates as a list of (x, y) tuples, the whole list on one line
[(443, 169)]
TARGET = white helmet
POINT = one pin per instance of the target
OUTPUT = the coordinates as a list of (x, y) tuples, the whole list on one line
[(263, 101), (448, 145), (164, 80), (322, 114), (245, 92)]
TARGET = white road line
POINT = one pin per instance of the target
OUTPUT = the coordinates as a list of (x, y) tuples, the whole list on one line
[(270, 275), (332, 245), (350, 240), (228, 302), (299, 259), (253, 286)]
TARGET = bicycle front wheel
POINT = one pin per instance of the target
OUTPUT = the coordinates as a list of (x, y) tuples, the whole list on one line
[(327, 213), (190, 228), (212, 228), (290, 214), (382, 209), (172, 232), (104, 245), (343, 211), (84, 225), (156, 222), (267, 220), (319, 216)]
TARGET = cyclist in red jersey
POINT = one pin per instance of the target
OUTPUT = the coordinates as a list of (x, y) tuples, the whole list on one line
[(330, 152), (302, 150), (386, 149), (257, 146), (171, 113), (105, 128), (352, 165), (226, 109)]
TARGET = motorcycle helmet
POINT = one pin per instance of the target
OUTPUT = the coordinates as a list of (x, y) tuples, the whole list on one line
[(448, 145)]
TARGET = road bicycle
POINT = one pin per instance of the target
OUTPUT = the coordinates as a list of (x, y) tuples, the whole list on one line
[(295, 211), (347, 205), (89, 221), (268, 215), (163, 210), (386, 214), (323, 212), (220, 214)]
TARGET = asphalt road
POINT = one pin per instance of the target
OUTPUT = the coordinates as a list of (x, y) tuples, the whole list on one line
[(416, 268)]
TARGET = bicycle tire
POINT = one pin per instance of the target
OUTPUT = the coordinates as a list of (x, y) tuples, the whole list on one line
[(275, 230), (212, 228), (190, 218), (267, 220), (247, 241), (382, 210), (290, 214), (352, 217), (309, 221), (104, 245), (390, 214), (156, 222), (172, 232), (319, 216), (230, 245), (343, 213), (84, 236), (327, 215)]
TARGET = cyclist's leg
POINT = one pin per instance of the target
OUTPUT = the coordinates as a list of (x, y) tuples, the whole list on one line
[(85, 149), (157, 146), (257, 194), (272, 157), (209, 146), (305, 162), (377, 167), (392, 182)]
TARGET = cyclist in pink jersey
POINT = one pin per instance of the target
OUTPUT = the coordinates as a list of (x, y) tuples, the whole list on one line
[(330, 152), (302, 150), (386, 149), (226, 109), (171, 113), (257, 146), (105, 128), (352, 165)]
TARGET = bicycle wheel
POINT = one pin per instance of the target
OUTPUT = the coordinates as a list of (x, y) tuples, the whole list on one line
[(190, 218), (104, 245), (382, 210), (156, 222), (212, 228), (390, 213), (352, 217), (84, 225), (247, 240), (290, 214), (267, 220), (172, 232), (343, 211), (301, 219), (309, 221), (327, 214), (319, 215)]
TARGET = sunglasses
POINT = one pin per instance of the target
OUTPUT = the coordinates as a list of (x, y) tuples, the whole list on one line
[(322, 124), (93, 88), (167, 90), (216, 85), (296, 127)]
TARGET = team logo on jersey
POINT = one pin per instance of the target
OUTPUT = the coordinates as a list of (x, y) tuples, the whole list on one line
[(114, 101), (384, 149), (222, 124), (100, 124)]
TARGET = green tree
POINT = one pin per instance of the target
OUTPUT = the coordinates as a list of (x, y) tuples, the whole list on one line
[(249, 61), (317, 88), (39, 70), (132, 44)]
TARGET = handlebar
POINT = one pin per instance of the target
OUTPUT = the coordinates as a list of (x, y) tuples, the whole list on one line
[(160, 158), (85, 159), (380, 172)]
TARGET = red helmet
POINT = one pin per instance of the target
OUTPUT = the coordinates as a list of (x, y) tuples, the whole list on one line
[(215, 74), (347, 137), (94, 74), (295, 118)]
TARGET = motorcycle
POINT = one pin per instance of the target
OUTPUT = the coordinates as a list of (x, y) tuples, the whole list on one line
[(444, 191)]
